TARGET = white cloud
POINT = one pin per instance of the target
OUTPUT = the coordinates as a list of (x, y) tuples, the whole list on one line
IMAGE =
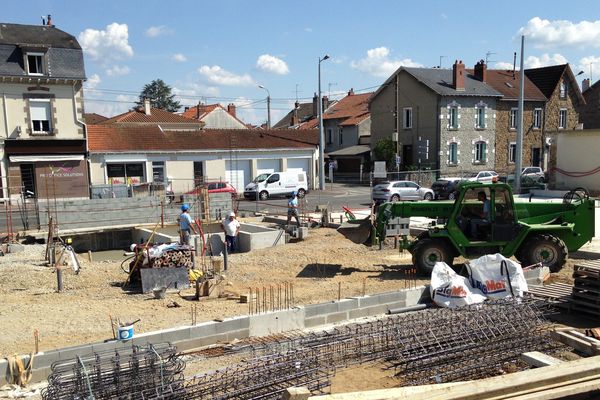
[(119, 105), (219, 76), (307, 29), (155, 31), (378, 63), (106, 45), (443, 16), (251, 113), (189, 94), (545, 60), (588, 64), (561, 33), (179, 57), (117, 70), (272, 64), (504, 65), (92, 82)]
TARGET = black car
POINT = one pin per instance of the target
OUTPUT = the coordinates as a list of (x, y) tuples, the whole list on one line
[(445, 188)]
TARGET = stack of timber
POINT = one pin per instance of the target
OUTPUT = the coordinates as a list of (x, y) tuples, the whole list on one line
[(586, 289)]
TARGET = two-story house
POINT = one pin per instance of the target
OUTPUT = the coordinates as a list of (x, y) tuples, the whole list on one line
[(42, 133), (508, 83), (347, 129), (441, 119), (559, 86)]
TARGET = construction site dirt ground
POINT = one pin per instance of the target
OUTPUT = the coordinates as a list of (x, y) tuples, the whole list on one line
[(319, 267)]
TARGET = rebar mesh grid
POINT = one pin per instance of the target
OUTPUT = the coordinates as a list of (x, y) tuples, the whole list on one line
[(114, 374)]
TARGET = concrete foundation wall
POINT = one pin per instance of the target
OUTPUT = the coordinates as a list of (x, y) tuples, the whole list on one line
[(212, 332)]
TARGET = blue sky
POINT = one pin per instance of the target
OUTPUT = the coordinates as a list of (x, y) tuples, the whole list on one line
[(220, 51)]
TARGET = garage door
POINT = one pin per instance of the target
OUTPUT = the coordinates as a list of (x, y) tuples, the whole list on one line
[(238, 173), (298, 164), (267, 166)]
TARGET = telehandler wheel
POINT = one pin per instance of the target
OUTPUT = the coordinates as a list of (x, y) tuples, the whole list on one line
[(429, 251), (547, 249)]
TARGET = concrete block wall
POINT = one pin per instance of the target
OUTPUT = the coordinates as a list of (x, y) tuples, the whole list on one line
[(93, 213), (212, 332)]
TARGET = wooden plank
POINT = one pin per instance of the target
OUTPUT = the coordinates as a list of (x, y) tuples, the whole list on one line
[(593, 341), (540, 383), (537, 359), (576, 343)]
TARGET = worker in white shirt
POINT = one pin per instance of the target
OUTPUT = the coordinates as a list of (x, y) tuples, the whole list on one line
[(231, 227)]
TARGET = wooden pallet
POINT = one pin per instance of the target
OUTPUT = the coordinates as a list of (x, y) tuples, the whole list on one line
[(559, 292), (586, 287)]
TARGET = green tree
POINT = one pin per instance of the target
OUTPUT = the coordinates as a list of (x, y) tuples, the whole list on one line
[(385, 150), (160, 96)]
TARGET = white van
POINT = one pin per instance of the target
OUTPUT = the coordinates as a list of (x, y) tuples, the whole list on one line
[(277, 184)]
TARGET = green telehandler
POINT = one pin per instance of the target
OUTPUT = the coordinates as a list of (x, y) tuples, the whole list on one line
[(532, 231)]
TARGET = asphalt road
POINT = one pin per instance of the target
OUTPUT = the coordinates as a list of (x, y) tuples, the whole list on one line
[(335, 196)]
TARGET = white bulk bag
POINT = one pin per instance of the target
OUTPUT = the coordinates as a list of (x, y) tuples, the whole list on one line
[(448, 289), (497, 277)]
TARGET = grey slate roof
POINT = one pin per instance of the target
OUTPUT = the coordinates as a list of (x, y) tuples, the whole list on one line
[(64, 56), (440, 81), (32, 35)]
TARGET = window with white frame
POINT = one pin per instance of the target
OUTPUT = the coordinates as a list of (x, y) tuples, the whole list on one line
[(453, 117), (562, 118), (480, 117), (537, 118), (512, 124), (40, 112), (480, 152), (407, 121), (453, 153), (563, 90), (512, 152), (35, 63)]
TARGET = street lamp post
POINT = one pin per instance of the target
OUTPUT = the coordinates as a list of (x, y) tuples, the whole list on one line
[(321, 133), (268, 106)]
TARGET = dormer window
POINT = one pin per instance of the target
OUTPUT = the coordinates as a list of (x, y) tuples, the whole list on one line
[(35, 64), (563, 90)]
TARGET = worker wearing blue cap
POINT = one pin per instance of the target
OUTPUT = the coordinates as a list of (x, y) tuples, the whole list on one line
[(186, 224)]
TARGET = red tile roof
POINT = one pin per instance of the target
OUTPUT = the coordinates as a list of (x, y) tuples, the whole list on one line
[(157, 116), (114, 138), (197, 112), (509, 85), (352, 109), (93, 118)]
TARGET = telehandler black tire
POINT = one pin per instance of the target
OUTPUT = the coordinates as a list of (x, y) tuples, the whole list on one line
[(426, 252), (547, 249)]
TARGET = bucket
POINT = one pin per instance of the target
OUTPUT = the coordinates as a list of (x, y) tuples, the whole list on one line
[(125, 332)]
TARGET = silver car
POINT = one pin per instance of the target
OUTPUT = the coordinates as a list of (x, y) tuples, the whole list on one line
[(400, 190)]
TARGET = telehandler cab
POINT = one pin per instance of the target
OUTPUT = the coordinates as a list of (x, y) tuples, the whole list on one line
[(533, 231)]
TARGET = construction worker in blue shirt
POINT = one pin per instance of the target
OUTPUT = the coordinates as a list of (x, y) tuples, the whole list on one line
[(186, 224), (293, 209)]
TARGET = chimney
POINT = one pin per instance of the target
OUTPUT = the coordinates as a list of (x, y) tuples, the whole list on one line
[(231, 109), (147, 106), (49, 23), (351, 92), (585, 84), (481, 71), (315, 105), (325, 101), (458, 75), (295, 120), (198, 110)]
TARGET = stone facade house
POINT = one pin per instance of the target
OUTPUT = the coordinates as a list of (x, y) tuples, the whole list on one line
[(589, 113), (443, 119), (43, 136), (509, 83), (559, 86)]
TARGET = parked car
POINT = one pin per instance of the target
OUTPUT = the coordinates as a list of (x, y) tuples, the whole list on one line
[(483, 176), (446, 188), (400, 190), (529, 176), (213, 187)]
